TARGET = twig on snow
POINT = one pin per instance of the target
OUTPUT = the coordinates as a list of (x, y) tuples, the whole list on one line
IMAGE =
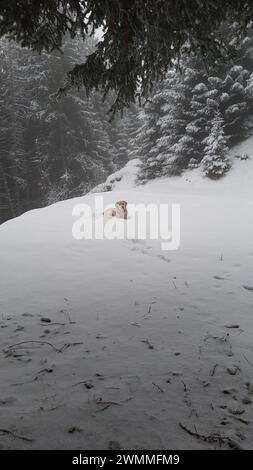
[(246, 359), (158, 387), (16, 436), (212, 373), (213, 437), (39, 342), (107, 404)]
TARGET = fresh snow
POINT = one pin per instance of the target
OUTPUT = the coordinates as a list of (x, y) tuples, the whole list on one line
[(122, 179), (142, 342)]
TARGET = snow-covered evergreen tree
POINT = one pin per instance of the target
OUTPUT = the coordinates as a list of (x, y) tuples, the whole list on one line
[(173, 132), (216, 161), (122, 133), (13, 122), (147, 136)]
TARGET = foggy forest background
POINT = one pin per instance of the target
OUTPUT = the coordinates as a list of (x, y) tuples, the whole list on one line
[(52, 149)]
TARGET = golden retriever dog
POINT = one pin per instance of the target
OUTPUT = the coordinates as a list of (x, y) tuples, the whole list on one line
[(119, 211)]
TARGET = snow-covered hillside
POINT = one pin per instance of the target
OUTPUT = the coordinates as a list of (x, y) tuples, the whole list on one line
[(117, 344), (124, 178)]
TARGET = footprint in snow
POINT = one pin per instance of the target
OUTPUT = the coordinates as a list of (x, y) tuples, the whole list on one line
[(249, 288), (6, 401), (162, 257), (233, 370), (19, 328)]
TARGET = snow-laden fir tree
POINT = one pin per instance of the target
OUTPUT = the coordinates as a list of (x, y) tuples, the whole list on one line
[(188, 118), (147, 135), (216, 161), (172, 137), (173, 145), (13, 121), (122, 132)]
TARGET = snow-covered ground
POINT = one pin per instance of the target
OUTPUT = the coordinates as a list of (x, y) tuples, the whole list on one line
[(144, 348), (122, 179)]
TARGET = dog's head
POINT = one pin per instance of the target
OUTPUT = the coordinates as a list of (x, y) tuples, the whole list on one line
[(122, 204)]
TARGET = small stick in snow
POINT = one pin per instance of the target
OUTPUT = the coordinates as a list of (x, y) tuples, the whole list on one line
[(148, 312), (22, 383), (218, 338), (67, 345), (39, 342), (48, 370), (250, 363), (213, 437), (99, 401), (174, 284), (244, 421), (184, 384), (212, 373), (16, 436), (55, 407), (106, 403), (128, 399), (103, 409), (157, 386), (232, 326)]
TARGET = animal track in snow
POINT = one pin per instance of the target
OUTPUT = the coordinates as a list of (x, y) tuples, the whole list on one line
[(249, 288)]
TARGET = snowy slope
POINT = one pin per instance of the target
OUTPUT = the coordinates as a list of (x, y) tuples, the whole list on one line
[(143, 344), (124, 178)]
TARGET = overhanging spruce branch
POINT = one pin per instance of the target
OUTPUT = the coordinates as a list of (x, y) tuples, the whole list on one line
[(140, 38)]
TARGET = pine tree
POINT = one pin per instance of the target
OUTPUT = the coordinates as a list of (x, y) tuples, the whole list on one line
[(173, 141), (216, 162), (147, 136), (235, 102), (172, 146), (188, 101), (14, 113), (122, 132)]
